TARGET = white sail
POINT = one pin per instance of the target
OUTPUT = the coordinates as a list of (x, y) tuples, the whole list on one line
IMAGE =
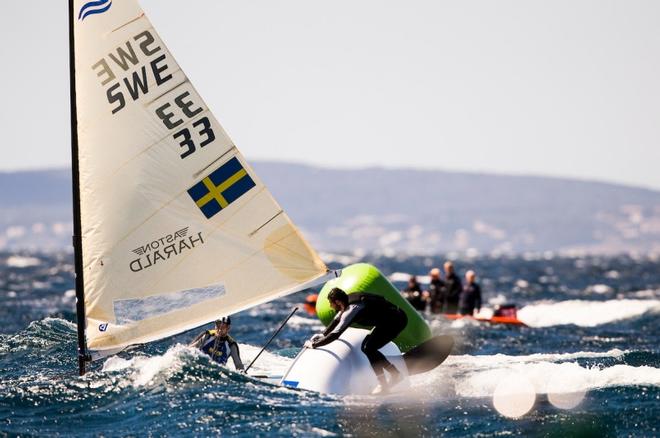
[(176, 227)]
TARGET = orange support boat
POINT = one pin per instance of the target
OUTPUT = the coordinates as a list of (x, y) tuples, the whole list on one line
[(512, 320), (503, 314)]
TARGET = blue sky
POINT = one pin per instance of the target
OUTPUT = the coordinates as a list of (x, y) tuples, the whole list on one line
[(563, 88)]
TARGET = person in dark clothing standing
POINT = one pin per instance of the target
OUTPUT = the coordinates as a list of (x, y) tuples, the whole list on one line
[(471, 296), (453, 289), (413, 293), (436, 291), (366, 309)]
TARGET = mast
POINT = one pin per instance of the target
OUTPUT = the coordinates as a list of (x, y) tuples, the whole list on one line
[(75, 179)]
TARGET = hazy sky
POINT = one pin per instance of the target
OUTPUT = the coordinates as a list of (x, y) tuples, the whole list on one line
[(562, 88)]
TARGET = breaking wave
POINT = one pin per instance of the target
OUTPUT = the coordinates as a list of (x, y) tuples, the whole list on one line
[(149, 370), (584, 313), (479, 376), (22, 262)]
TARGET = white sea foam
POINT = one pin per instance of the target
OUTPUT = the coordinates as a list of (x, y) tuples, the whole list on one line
[(342, 259), (556, 378), (297, 321), (584, 313), (22, 262), (50, 322), (486, 361), (599, 289), (480, 376), (558, 375), (402, 277), (268, 363), (498, 299), (147, 370), (646, 293)]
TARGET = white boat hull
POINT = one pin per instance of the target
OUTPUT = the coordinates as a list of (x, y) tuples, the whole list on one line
[(341, 367)]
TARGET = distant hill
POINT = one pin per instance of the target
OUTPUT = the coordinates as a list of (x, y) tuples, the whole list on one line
[(392, 211)]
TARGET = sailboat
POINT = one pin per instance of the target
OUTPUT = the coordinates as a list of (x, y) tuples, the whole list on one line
[(172, 227)]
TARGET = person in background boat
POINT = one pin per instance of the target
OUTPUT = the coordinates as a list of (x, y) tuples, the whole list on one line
[(369, 310), (413, 293), (453, 289), (219, 345), (436, 291), (470, 299)]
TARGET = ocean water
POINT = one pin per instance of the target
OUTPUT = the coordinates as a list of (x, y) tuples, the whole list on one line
[(588, 364)]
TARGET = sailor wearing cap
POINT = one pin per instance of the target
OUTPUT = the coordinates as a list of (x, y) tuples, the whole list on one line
[(218, 344)]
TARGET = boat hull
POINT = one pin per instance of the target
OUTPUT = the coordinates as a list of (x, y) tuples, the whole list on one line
[(341, 367)]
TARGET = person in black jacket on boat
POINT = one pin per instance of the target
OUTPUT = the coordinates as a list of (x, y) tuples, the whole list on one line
[(413, 293), (471, 296), (436, 291), (453, 289), (366, 309), (219, 345)]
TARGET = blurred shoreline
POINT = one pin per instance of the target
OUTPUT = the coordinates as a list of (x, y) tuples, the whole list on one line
[(396, 212)]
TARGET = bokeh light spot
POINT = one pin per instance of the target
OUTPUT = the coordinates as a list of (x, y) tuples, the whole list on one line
[(514, 396)]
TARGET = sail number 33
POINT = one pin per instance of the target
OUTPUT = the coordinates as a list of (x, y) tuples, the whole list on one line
[(173, 113)]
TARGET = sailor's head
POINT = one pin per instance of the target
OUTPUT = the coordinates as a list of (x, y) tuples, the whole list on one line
[(223, 325), (338, 299), (412, 280), (435, 273), (470, 276), (449, 267)]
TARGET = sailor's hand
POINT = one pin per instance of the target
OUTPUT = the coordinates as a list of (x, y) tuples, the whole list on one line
[(308, 344)]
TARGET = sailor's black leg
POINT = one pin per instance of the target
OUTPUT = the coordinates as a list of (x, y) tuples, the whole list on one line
[(377, 339), (370, 346)]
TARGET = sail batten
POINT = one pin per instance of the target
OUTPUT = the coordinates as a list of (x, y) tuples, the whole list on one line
[(176, 226)]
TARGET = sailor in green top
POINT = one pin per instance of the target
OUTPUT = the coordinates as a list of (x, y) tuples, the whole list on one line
[(218, 344)]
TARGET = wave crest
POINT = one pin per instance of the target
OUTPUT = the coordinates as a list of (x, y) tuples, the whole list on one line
[(584, 313), (479, 376)]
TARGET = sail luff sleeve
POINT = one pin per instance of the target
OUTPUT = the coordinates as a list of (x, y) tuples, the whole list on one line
[(75, 179)]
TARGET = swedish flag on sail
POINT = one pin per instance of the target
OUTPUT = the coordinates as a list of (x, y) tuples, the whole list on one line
[(222, 187)]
